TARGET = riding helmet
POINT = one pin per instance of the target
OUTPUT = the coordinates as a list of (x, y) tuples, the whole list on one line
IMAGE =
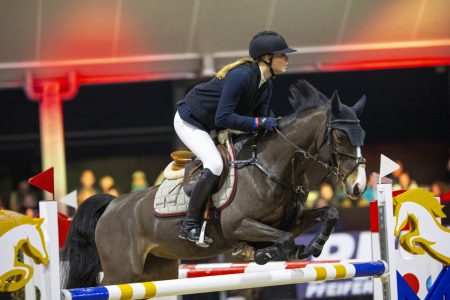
[(268, 42)]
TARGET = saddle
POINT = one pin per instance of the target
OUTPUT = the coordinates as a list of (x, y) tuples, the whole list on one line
[(186, 165)]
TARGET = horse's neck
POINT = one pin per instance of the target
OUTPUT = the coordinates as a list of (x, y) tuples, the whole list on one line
[(306, 130)]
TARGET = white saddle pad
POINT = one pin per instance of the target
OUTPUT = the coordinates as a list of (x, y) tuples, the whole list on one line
[(171, 200)]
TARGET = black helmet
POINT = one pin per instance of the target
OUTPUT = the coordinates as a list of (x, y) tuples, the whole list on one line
[(266, 42)]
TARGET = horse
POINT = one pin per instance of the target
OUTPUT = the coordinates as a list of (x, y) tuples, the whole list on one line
[(265, 215), (420, 209), (17, 232)]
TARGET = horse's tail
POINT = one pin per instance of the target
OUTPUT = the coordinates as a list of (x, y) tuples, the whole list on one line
[(80, 255)]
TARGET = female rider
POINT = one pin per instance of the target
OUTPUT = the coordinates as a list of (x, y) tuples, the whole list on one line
[(236, 98)]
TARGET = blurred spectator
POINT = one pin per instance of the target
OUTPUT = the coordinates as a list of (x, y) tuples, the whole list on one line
[(30, 206), (405, 182), (139, 181), (439, 188), (326, 195), (17, 198), (107, 184), (87, 180), (2, 206)]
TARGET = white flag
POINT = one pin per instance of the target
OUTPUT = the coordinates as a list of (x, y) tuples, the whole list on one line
[(387, 166), (70, 199)]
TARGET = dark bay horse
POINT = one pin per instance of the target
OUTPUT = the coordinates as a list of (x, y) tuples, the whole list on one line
[(266, 214)]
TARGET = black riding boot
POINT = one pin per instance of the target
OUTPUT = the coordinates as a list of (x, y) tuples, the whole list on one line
[(191, 225)]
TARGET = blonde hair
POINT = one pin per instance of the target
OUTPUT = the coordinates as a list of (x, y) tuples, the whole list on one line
[(225, 69)]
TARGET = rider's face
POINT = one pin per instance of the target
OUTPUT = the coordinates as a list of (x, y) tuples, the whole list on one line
[(279, 63)]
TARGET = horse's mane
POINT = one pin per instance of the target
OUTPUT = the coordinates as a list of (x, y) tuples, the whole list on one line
[(303, 96), (11, 219), (423, 198)]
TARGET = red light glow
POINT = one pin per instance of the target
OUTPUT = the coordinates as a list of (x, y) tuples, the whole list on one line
[(385, 64)]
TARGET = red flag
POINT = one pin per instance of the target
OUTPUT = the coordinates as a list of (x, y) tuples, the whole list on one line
[(43, 180)]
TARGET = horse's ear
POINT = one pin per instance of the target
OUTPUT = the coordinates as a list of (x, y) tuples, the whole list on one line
[(335, 103), (359, 106)]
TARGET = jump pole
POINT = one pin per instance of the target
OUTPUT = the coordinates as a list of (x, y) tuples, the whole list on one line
[(214, 269), (145, 290)]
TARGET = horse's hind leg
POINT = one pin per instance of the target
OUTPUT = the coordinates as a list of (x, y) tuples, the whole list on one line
[(122, 255), (119, 267), (158, 268), (328, 216)]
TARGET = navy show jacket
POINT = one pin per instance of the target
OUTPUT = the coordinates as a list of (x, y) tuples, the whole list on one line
[(232, 102)]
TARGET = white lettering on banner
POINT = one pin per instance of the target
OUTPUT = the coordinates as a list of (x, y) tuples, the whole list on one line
[(331, 288), (368, 287), (339, 288), (315, 290), (364, 250), (357, 287), (344, 289)]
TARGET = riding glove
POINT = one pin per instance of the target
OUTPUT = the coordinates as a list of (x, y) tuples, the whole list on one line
[(268, 123)]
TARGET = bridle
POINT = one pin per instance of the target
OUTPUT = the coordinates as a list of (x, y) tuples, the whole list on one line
[(332, 167), (335, 152)]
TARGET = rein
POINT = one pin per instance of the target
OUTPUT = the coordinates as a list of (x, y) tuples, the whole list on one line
[(332, 168)]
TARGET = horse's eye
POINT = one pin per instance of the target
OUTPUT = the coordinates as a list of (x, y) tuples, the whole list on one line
[(340, 138)]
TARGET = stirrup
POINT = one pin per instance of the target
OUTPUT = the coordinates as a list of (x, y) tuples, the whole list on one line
[(190, 234)]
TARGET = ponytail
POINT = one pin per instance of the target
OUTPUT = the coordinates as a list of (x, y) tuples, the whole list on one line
[(225, 69)]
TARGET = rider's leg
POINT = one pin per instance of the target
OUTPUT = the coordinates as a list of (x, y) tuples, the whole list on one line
[(191, 225), (201, 144)]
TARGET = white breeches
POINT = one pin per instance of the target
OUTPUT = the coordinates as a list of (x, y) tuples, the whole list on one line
[(200, 143)]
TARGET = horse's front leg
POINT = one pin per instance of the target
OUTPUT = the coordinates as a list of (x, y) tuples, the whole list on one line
[(328, 216), (251, 230)]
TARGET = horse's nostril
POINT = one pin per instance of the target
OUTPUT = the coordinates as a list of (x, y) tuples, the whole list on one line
[(356, 190)]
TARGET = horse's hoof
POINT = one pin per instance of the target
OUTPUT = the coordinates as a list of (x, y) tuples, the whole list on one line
[(316, 253), (263, 256)]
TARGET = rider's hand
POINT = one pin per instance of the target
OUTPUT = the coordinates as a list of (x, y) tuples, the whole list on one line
[(268, 123)]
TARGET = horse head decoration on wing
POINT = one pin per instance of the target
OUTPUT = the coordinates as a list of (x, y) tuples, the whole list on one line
[(421, 210), (17, 232)]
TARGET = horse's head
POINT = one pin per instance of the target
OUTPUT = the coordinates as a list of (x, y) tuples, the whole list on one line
[(401, 217), (346, 137), (340, 145)]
